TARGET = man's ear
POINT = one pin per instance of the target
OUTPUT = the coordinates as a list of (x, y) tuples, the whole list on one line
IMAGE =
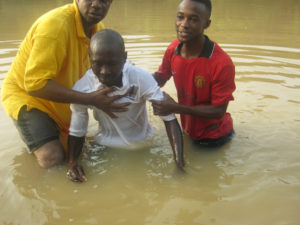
[(125, 56), (90, 55), (207, 24)]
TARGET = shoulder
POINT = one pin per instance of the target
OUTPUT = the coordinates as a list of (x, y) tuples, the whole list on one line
[(134, 72), (138, 76), (87, 83), (220, 57), (221, 65), (173, 46), (55, 22)]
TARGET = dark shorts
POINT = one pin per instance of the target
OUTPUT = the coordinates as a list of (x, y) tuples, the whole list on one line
[(36, 128), (213, 143)]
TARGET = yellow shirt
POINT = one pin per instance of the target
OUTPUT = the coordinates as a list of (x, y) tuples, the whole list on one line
[(55, 48)]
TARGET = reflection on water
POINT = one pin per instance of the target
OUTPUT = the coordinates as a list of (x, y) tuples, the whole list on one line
[(252, 180), (8, 50)]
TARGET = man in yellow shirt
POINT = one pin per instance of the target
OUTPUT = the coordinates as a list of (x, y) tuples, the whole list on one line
[(38, 87)]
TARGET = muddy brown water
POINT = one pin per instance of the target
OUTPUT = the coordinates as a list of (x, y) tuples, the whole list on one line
[(255, 179)]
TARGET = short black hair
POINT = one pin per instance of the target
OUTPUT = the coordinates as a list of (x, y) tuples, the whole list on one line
[(108, 38), (207, 4)]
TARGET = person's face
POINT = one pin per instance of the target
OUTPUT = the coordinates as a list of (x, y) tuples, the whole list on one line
[(93, 11), (107, 65), (191, 20)]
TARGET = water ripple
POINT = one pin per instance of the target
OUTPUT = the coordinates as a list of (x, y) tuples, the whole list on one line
[(270, 65), (255, 64), (8, 50)]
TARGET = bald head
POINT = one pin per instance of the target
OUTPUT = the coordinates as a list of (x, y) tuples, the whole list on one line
[(107, 57), (107, 41)]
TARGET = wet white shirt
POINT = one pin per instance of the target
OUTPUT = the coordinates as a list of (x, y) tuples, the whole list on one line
[(131, 127)]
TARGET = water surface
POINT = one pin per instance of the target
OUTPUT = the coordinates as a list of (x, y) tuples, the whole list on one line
[(255, 179)]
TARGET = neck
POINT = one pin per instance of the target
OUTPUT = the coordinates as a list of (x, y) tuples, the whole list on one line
[(193, 48), (88, 29)]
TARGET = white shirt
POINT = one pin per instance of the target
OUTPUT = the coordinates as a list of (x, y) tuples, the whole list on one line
[(130, 127)]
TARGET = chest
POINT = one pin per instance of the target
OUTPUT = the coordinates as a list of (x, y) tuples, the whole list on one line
[(192, 78)]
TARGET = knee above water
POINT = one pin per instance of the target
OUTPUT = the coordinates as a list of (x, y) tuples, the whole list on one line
[(51, 159)]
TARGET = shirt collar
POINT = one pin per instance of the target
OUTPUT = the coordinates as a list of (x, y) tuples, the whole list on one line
[(207, 50), (78, 22)]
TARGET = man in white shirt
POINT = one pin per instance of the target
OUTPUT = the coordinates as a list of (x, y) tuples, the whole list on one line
[(121, 129)]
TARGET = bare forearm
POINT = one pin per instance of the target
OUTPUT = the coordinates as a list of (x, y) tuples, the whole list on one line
[(168, 106), (203, 111), (159, 81), (176, 140), (55, 92), (75, 145)]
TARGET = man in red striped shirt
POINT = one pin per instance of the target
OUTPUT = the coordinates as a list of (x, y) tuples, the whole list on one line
[(203, 75)]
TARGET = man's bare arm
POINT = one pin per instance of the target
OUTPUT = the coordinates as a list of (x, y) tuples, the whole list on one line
[(176, 141), (159, 81), (75, 171), (55, 92), (168, 106)]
